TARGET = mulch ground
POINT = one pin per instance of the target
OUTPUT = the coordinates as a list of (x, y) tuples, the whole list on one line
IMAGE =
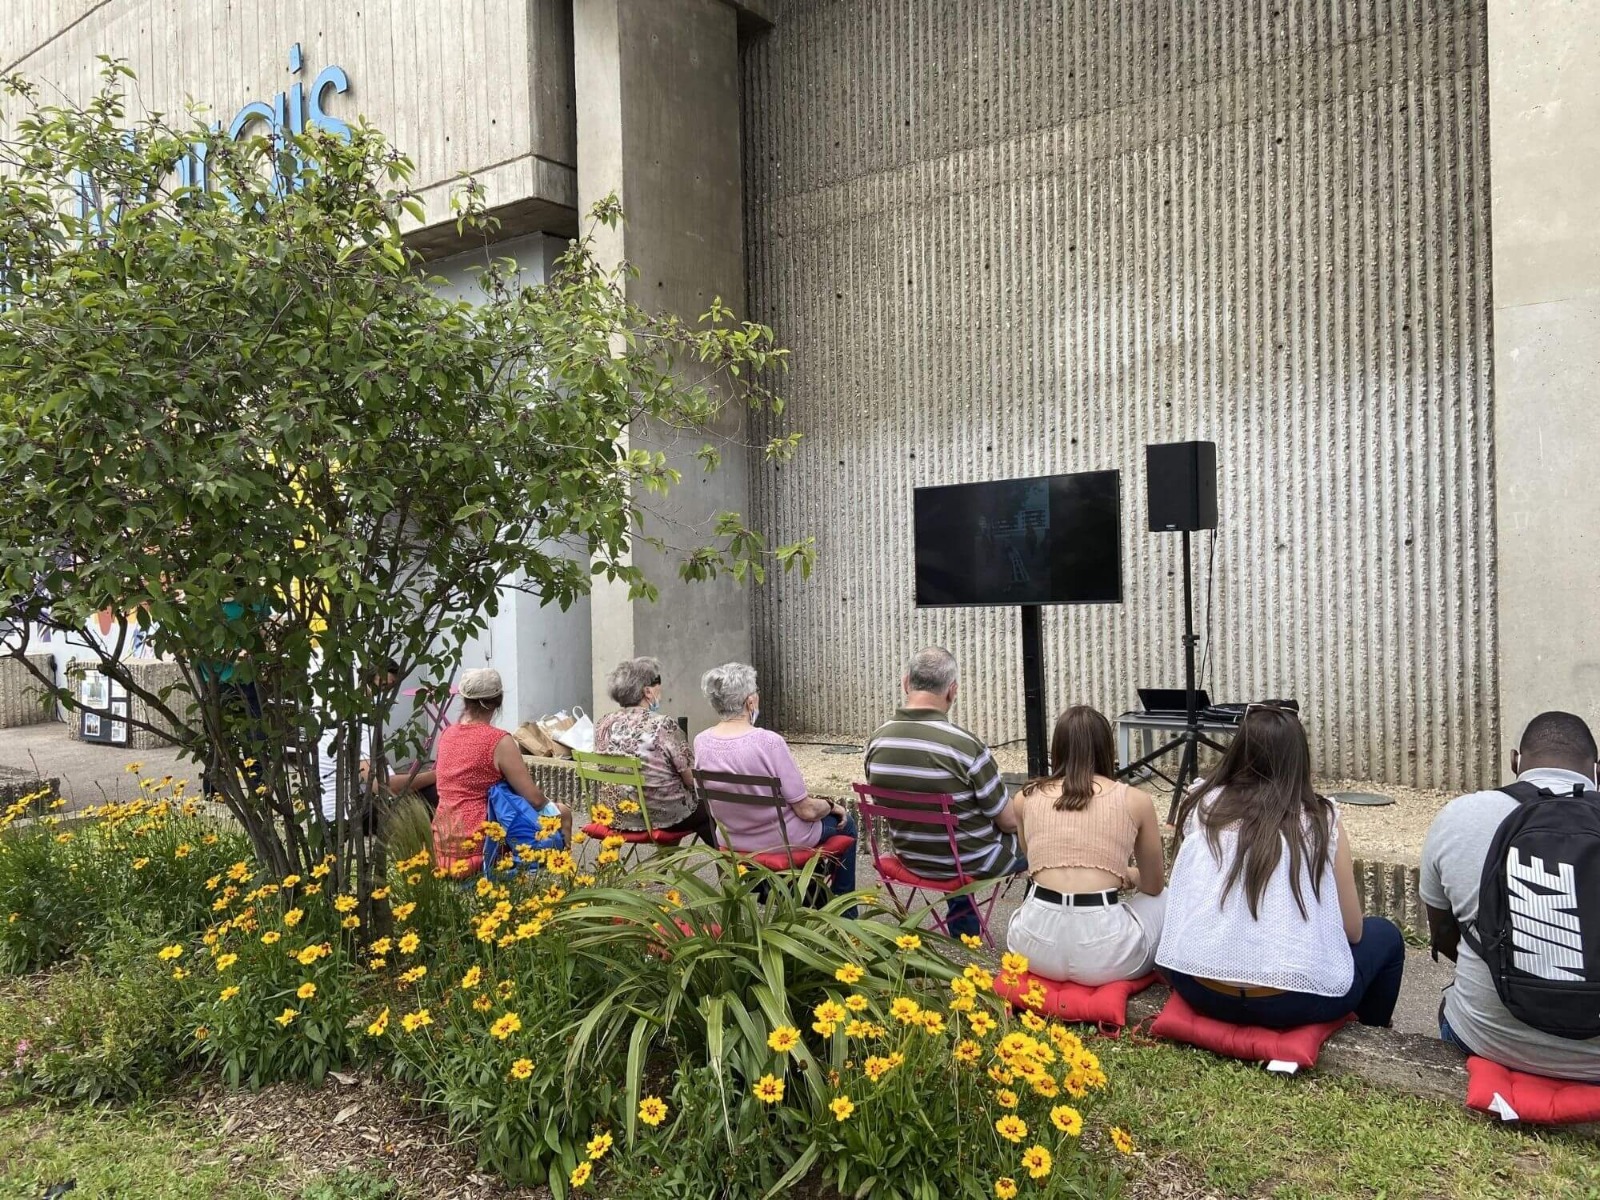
[(359, 1122)]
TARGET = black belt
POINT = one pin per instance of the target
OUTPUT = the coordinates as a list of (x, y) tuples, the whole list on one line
[(1077, 900)]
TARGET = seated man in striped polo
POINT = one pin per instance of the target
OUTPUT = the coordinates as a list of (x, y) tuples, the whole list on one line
[(922, 750)]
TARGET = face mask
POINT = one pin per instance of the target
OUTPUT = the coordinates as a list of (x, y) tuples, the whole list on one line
[(755, 716), (655, 706)]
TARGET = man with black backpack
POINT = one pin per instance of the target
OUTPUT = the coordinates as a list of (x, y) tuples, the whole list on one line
[(1511, 878)]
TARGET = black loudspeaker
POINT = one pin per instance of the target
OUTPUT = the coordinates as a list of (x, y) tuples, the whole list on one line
[(1181, 480)]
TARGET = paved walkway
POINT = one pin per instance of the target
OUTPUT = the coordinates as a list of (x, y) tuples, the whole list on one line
[(90, 773)]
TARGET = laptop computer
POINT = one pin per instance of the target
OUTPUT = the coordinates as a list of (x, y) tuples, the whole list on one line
[(1166, 701)]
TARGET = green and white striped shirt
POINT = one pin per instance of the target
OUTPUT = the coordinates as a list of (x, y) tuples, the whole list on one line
[(921, 750)]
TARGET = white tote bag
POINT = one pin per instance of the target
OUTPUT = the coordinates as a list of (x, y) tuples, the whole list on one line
[(580, 734)]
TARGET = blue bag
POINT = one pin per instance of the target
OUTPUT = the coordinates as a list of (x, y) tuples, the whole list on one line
[(520, 820)]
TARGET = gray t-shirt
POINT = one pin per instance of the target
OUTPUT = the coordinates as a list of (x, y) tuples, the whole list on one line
[(1452, 866)]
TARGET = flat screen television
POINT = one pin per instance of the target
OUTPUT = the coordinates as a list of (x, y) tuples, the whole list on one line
[(1052, 540)]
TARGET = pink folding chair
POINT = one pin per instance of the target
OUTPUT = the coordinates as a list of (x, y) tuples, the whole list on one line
[(922, 808)]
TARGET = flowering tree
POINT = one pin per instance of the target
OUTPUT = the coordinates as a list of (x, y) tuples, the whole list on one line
[(233, 407)]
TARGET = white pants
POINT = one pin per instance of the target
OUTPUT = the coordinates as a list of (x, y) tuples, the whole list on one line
[(1090, 946)]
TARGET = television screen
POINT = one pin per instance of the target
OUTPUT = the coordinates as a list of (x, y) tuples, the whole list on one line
[(1055, 540)]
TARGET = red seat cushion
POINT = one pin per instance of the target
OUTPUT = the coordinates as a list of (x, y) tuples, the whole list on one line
[(891, 867), (1532, 1098), (636, 837), (777, 860), (1103, 1005), (1253, 1043)]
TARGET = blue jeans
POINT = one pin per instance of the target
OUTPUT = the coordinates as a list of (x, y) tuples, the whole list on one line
[(1380, 960), (844, 871), (961, 915), (1449, 1036)]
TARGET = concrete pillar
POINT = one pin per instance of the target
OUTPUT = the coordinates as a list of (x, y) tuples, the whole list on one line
[(658, 124), (1544, 105)]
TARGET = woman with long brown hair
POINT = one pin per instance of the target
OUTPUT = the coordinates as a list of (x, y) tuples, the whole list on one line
[(1080, 829), (1266, 925)]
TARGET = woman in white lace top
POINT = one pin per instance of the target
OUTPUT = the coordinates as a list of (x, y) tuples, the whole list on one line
[(1264, 925)]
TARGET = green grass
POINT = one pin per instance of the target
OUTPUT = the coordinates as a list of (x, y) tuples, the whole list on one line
[(152, 1152), (1252, 1134)]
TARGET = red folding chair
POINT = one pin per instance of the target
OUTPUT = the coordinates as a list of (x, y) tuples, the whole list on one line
[(763, 791), (922, 808)]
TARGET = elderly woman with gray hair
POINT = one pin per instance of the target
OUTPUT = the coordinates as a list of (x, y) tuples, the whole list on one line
[(737, 746), (640, 729)]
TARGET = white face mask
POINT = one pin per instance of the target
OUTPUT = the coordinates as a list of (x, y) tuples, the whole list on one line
[(755, 715)]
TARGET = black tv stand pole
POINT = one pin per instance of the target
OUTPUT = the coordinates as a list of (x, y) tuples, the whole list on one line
[(1033, 691)]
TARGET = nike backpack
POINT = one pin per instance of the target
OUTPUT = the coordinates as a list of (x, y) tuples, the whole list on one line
[(1538, 923)]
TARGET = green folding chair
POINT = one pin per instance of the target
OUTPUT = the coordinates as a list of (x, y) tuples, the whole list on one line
[(627, 772)]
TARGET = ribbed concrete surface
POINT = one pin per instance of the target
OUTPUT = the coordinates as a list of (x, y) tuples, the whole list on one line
[(1013, 237)]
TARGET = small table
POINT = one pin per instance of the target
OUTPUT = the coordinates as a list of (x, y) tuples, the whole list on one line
[(1147, 723)]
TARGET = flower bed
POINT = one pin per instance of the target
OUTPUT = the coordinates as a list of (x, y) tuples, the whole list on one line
[(689, 1028)]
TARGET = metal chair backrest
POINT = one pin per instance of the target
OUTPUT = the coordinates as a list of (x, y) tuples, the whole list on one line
[(612, 770), (767, 793), (910, 808)]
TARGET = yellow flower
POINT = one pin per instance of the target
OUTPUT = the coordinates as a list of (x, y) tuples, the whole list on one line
[(1012, 1128), (414, 1021), (183, 851), (290, 880), (841, 1107), (382, 946), (482, 1004), (849, 973), (140, 864), (414, 974), (506, 1026), (1014, 964), (1045, 1086), (168, 953), (652, 1111), (403, 911), (345, 904), (783, 1039), (962, 988), (967, 1052), (228, 993), (521, 1069), (932, 1022), (1005, 1188), (409, 943), (980, 978), (212, 884), (380, 893), (1076, 1083), (824, 1028), (856, 1003), (598, 1144), (310, 954), (472, 978), (350, 922), (286, 1017), (1122, 1140), (504, 988), (829, 1010), (201, 1033), (379, 1024), (271, 937), (1005, 1098), (971, 941), (876, 1068), (377, 964), (224, 961), (1038, 1161), (769, 1089), (1033, 1022), (319, 871), (982, 1023), (860, 1029), (293, 917), (581, 1173), (904, 1009), (306, 990), (908, 941)]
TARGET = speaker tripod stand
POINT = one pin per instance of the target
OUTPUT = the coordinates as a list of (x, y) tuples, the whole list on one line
[(1189, 740)]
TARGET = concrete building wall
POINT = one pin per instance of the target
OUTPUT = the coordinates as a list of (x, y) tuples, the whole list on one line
[(1544, 94), (1015, 237), (484, 88), (657, 84)]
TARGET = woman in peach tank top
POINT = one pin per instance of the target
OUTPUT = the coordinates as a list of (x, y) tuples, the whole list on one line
[(473, 755), (1088, 838)]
